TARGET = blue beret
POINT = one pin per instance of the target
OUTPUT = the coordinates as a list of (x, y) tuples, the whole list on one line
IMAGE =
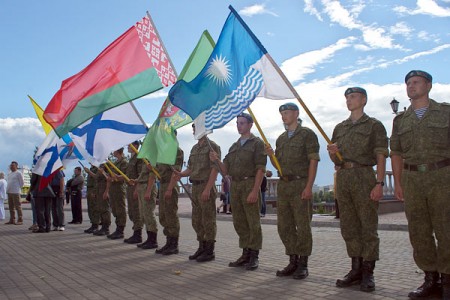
[(288, 106), (355, 89), (247, 116), (420, 73)]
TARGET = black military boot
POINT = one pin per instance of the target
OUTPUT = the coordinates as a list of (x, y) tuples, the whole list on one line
[(118, 234), (208, 252), (445, 279), (151, 242), (163, 248), (354, 276), (102, 231), (290, 268), (429, 288), (91, 229), (253, 261), (201, 248), (173, 246), (135, 238), (368, 281), (302, 268), (241, 260)]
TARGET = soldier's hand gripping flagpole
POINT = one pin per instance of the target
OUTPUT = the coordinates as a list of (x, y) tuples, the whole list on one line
[(272, 156), (118, 171), (146, 162), (184, 187)]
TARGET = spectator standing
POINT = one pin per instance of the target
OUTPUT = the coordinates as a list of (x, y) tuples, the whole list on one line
[(13, 189)]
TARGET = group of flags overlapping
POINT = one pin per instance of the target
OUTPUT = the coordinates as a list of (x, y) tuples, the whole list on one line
[(92, 113)]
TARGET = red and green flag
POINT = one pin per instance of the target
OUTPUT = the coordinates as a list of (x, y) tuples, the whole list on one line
[(160, 144), (132, 66)]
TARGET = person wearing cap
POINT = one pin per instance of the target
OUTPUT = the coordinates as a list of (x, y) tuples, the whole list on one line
[(362, 143), (168, 205), (202, 174), (297, 151), (420, 157), (133, 169), (246, 164)]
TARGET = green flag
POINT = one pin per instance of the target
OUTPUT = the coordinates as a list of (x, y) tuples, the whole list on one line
[(160, 144)]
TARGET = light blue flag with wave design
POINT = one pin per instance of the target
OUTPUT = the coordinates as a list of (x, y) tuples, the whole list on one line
[(238, 70)]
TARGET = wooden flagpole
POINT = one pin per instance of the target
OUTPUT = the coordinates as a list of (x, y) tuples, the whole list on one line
[(118, 170), (274, 158), (299, 99), (146, 162)]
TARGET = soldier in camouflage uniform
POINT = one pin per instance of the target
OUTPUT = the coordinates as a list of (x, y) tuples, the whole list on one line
[(420, 156), (168, 205), (297, 151), (133, 169), (146, 191), (103, 208), (246, 164), (117, 195), (363, 143), (203, 174), (91, 194)]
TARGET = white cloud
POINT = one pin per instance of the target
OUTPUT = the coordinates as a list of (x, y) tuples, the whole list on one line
[(256, 9), (375, 37), (297, 67), (425, 7), (309, 8), (401, 28)]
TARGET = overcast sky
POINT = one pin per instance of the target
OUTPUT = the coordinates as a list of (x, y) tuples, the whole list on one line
[(323, 47)]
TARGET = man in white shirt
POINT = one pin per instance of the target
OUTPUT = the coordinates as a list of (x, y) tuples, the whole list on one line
[(3, 185), (15, 184)]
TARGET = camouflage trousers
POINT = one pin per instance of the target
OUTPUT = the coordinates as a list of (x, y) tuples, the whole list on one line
[(133, 209), (102, 209), (246, 218), (147, 208), (427, 207), (117, 201), (91, 196), (168, 212), (204, 213), (358, 213), (294, 217)]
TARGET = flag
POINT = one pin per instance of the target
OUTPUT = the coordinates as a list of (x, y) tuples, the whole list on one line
[(160, 145), (108, 131), (238, 70), (40, 114), (132, 66), (54, 153)]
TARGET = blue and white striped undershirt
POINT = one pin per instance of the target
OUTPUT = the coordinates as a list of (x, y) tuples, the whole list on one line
[(421, 111)]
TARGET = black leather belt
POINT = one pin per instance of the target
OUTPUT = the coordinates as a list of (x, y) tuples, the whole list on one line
[(427, 167), (351, 165), (241, 178), (290, 177), (197, 181)]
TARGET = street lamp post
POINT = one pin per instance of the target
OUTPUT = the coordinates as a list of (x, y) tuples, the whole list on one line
[(394, 105)]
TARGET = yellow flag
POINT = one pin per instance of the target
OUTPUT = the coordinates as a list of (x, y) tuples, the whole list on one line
[(40, 115)]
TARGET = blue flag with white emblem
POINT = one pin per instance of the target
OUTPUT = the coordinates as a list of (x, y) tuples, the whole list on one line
[(238, 71), (108, 131)]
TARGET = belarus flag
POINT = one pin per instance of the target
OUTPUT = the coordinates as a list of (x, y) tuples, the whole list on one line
[(132, 66)]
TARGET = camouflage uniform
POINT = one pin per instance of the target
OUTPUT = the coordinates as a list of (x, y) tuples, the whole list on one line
[(117, 195), (103, 209), (294, 214), (359, 143), (133, 168), (426, 192), (242, 163), (168, 209), (91, 195), (147, 207), (203, 213)]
